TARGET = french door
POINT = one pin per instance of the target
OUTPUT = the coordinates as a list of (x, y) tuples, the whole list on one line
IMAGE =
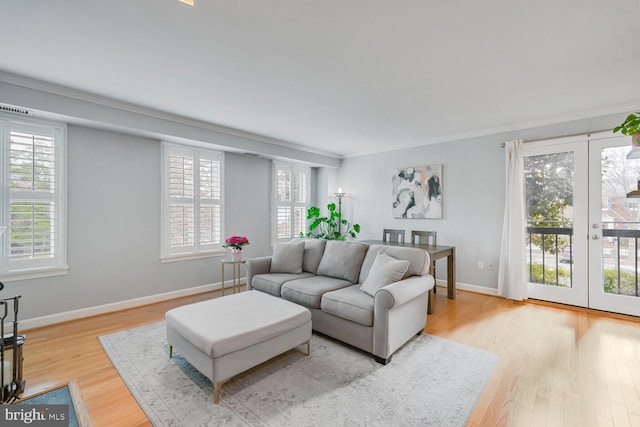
[(582, 231), (614, 226)]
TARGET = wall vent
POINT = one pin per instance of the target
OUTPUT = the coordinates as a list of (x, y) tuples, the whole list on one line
[(15, 110)]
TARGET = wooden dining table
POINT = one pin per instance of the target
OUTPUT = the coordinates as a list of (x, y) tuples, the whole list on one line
[(435, 252)]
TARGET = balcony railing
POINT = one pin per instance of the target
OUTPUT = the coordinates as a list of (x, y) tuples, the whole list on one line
[(551, 262), (551, 247), (622, 279)]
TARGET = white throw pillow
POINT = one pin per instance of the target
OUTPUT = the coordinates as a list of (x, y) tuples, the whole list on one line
[(287, 258), (384, 271)]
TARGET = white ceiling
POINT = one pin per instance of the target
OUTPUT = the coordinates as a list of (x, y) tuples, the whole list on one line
[(345, 77)]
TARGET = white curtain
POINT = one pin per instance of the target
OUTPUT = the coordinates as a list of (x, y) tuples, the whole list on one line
[(512, 279)]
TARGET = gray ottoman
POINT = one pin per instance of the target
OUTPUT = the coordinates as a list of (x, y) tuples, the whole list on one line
[(225, 336)]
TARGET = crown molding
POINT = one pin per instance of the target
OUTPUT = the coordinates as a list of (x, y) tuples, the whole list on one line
[(81, 95), (547, 121)]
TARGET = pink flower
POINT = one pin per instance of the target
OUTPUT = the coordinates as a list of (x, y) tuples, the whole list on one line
[(236, 242)]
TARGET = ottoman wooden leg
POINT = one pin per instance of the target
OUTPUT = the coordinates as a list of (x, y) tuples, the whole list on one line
[(216, 393), (308, 348), (170, 351)]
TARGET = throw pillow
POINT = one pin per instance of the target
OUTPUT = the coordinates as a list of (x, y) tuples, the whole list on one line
[(287, 258), (342, 260), (313, 250), (384, 271)]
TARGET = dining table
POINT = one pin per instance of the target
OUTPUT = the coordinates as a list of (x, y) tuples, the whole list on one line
[(435, 252)]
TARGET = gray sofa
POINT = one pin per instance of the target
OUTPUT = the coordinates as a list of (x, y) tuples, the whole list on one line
[(371, 297)]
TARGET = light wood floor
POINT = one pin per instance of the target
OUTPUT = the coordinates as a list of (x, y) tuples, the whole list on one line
[(558, 366)]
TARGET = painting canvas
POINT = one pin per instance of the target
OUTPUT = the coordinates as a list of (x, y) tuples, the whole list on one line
[(417, 192)]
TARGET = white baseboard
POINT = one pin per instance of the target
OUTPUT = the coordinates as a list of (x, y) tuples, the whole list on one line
[(470, 288), (120, 305)]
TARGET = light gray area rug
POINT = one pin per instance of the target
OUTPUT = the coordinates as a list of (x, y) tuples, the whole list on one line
[(431, 381)]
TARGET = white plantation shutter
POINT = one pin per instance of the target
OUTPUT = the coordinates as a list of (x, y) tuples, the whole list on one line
[(291, 200), (181, 215), (209, 180), (192, 200), (32, 194)]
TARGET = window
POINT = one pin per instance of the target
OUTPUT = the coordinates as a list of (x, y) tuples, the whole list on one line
[(291, 200), (192, 201), (32, 196)]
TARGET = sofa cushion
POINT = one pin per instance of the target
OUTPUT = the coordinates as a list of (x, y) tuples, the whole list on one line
[(271, 283), (384, 271), (287, 258), (342, 260), (308, 291), (418, 259), (349, 303), (313, 250)]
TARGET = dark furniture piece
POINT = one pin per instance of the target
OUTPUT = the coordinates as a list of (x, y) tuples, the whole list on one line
[(11, 381), (426, 238), (391, 235)]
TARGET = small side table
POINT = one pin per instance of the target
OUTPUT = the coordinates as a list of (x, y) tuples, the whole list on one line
[(236, 273)]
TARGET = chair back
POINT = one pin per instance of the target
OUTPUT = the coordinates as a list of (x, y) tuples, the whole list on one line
[(391, 235), (424, 237)]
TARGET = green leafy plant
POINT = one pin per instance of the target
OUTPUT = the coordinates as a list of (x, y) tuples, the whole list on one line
[(331, 227), (627, 282), (630, 126)]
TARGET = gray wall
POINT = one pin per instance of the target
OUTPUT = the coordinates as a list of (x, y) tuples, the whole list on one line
[(114, 211), (473, 199), (114, 219), (473, 194)]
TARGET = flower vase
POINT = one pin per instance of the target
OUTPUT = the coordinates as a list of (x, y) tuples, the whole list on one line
[(236, 254)]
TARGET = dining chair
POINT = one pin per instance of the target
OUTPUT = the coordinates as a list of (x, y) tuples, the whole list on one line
[(426, 238), (393, 235)]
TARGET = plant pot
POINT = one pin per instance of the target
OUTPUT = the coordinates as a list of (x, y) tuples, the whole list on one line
[(236, 255)]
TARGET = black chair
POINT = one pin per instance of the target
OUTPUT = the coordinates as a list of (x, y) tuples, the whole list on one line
[(393, 235)]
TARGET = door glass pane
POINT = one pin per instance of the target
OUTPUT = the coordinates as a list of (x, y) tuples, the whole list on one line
[(620, 222), (549, 217)]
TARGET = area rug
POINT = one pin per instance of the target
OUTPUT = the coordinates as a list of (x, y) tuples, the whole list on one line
[(430, 382), (66, 395)]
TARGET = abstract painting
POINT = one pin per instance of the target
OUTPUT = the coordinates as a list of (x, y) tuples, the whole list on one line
[(417, 192)]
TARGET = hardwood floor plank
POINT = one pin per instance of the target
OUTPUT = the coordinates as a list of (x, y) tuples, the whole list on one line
[(556, 362), (558, 365)]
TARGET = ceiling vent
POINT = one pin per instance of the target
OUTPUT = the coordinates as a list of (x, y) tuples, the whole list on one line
[(14, 110)]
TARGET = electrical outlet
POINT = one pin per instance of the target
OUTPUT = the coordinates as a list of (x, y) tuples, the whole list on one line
[(491, 266), (481, 265)]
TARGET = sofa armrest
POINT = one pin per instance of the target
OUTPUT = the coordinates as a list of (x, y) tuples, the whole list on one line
[(400, 311), (255, 266), (398, 293)]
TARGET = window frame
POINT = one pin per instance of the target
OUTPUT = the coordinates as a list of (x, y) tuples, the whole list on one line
[(291, 167), (197, 250), (36, 268)]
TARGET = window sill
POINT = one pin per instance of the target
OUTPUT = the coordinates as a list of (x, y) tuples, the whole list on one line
[(33, 274), (190, 257)]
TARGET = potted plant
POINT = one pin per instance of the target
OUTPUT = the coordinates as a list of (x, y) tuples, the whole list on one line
[(236, 243), (331, 227), (631, 126)]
